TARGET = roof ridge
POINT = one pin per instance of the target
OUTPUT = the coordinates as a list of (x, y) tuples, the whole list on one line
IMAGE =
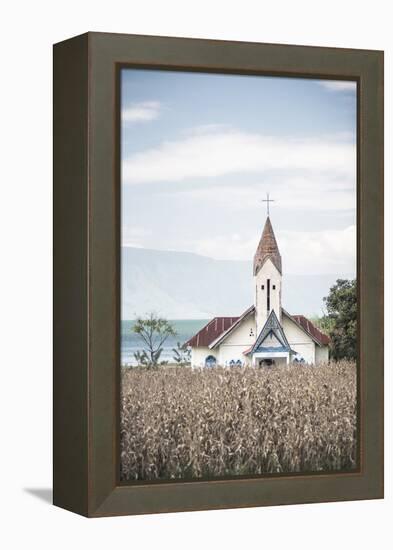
[(231, 327), (211, 331), (321, 338)]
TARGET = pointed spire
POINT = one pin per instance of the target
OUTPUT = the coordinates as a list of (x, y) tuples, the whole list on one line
[(267, 248)]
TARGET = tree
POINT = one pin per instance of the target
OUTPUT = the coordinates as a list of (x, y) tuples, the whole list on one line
[(341, 305), (324, 323), (153, 331), (182, 354)]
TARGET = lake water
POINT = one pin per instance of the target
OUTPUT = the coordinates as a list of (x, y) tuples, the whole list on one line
[(131, 342)]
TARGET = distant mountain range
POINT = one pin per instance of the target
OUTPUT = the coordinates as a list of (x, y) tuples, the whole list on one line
[(182, 285)]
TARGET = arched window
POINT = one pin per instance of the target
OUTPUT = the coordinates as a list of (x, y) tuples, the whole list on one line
[(210, 361)]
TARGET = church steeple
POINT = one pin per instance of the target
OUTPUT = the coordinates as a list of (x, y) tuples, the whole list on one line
[(267, 277), (267, 248)]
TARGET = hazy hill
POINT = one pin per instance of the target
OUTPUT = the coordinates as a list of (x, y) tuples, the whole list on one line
[(181, 285)]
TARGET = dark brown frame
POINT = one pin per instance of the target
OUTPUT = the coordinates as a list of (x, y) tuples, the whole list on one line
[(86, 272)]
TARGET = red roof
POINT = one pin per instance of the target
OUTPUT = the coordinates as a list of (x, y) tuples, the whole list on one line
[(312, 330), (217, 326), (211, 331)]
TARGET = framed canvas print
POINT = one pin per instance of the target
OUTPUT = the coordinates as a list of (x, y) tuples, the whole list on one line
[(218, 274)]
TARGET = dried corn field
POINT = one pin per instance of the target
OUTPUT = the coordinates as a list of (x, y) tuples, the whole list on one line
[(180, 423)]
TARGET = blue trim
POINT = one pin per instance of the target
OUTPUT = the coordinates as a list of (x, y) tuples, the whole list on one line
[(271, 349), (273, 326)]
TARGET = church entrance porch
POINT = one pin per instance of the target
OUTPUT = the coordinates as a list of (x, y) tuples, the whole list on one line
[(266, 359)]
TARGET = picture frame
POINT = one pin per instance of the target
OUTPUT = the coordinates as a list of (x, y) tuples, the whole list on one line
[(86, 373)]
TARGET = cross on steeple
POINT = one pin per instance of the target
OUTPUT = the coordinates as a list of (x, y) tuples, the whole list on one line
[(267, 200)]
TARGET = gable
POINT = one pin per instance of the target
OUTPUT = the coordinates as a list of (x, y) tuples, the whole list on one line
[(244, 333), (249, 312), (271, 340), (211, 331), (295, 333), (270, 343), (271, 336), (320, 338), (302, 328)]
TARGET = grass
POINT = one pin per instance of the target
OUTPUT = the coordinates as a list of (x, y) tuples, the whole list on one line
[(179, 423)]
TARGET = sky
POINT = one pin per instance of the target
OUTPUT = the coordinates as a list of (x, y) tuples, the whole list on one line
[(200, 151)]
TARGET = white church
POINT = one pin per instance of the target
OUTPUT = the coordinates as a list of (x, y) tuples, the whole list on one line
[(265, 334)]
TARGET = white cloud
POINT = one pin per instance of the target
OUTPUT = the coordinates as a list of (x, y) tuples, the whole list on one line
[(295, 193), (314, 253), (330, 251), (338, 85), (141, 112), (205, 129), (222, 153)]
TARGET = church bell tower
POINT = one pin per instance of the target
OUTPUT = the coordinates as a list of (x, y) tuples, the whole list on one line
[(267, 280)]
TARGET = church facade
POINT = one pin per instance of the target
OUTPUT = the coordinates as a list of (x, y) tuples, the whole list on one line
[(265, 334)]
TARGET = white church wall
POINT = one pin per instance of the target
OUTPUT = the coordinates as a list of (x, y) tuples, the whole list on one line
[(243, 334), (229, 353), (321, 354), (299, 340), (267, 271), (198, 356), (242, 338)]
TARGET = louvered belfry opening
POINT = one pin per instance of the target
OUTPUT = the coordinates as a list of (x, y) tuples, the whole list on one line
[(268, 296)]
